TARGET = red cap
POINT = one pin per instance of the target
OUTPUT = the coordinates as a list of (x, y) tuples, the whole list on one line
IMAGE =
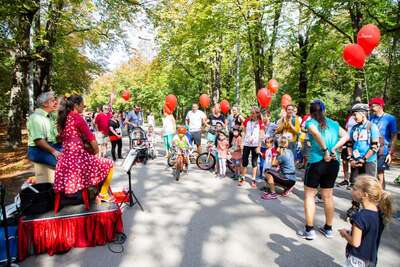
[(377, 100)]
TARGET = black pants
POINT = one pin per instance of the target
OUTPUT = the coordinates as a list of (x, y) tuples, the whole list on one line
[(246, 154), (113, 145)]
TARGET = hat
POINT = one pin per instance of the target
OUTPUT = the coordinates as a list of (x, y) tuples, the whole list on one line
[(320, 103), (377, 100), (360, 108)]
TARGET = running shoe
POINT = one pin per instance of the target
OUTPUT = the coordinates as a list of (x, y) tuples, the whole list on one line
[(269, 196), (287, 191), (309, 235), (241, 182), (326, 233), (343, 183), (318, 199), (253, 184), (397, 180)]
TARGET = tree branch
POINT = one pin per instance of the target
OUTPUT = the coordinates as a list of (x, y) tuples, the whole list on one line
[(326, 20)]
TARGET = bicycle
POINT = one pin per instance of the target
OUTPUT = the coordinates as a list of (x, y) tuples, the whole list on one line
[(179, 163), (193, 155), (207, 160)]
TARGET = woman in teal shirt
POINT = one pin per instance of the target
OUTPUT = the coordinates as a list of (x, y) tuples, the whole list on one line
[(326, 137)]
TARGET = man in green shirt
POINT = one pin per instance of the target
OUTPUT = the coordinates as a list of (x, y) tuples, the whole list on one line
[(42, 131)]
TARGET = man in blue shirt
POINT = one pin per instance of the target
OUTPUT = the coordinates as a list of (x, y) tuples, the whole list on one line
[(387, 126), (364, 143)]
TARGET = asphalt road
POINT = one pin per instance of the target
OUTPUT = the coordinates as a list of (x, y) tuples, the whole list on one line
[(207, 221)]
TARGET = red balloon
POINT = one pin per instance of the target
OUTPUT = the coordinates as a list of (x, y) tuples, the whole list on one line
[(273, 86), (368, 38), (286, 100), (170, 101), (224, 106), (126, 95), (354, 55), (167, 110), (264, 97), (204, 101)]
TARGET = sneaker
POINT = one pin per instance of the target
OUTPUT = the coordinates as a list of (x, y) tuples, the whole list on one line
[(343, 183), (309, 235), (235, 177), (269, 196), (287, 191), (397, 180), (326, 233), (318, 199), (349, 187), (241, 182), (253, 184)]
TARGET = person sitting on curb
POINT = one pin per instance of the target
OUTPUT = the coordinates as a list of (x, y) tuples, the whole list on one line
[(42, 131)]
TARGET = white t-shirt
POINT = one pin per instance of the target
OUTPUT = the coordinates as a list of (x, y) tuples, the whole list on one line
[(253, 128), (195, 120), (168, 125)]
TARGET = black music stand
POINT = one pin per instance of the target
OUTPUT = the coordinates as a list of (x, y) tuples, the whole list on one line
[(127, 166)]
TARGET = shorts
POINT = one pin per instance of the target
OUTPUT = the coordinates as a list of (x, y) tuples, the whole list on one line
[(280, 179), (369, 168), (246, 154), (352, 261), (236, 162), (381, 164), (196, 137), (101, 138), (321, 174)]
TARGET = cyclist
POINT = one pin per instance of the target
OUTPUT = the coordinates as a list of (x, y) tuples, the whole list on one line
[(181, 141)]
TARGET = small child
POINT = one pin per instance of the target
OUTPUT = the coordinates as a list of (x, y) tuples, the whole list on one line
[(368, 223), (150, 135), (285, 175), (270, 154), (223, 150), (236, 151)]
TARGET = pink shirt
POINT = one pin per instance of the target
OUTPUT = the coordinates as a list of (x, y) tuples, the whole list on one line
[(237, 147), (222, 148)]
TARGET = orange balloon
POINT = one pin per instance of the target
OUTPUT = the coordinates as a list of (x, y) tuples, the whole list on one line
[(273, 86), (170, 101), (368, 38), (126, 95), (204, 101), (264, 97)]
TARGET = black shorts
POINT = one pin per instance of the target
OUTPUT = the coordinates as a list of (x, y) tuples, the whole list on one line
[(280, 179), (344, 154), (246, 154), (321, 174), (381, 164), (196, 137)]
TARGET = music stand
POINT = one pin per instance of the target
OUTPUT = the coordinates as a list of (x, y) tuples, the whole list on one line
[(127, 166)]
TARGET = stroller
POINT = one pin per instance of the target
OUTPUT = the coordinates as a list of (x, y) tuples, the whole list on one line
[(139, 142)]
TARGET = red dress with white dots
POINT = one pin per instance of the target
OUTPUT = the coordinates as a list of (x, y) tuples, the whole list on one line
[(76, 168)]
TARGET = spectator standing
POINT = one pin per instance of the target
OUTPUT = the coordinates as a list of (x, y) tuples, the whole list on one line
[(289, 126), (387, 126), (234, 119), (102, 129), (168, 131), (150, 120), (115, 135), (195, 119)]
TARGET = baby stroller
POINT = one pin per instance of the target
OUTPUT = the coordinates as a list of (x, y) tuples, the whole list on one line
[(139, 142)]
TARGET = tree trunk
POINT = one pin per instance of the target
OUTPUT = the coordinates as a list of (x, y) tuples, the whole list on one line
[(45, 65), (303, 77), (271, 49), (216, 72), (22, 56)]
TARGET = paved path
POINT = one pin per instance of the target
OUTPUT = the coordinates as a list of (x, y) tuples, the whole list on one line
[(205, 221)]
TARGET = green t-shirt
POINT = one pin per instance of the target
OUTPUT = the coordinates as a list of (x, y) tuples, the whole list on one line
[(41, 125)]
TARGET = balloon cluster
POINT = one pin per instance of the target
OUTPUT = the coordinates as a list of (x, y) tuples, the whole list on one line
[(264, 95), (367, 39), (205, 101)]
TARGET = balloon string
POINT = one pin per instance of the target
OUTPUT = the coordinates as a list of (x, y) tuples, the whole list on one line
[(366, 85)]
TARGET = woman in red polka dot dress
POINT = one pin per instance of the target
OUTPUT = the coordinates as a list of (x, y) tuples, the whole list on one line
[(77, 168)]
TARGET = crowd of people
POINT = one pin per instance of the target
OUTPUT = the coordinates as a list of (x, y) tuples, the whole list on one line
[(317, 144), (59, 136)]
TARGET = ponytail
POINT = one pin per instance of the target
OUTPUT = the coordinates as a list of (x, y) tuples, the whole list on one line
[(386, 206), (66, 106)]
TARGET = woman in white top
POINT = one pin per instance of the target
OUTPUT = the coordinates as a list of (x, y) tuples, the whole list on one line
[(168, 131)]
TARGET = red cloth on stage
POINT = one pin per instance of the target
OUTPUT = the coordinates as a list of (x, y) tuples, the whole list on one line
[(76, 168), (56, 235)]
